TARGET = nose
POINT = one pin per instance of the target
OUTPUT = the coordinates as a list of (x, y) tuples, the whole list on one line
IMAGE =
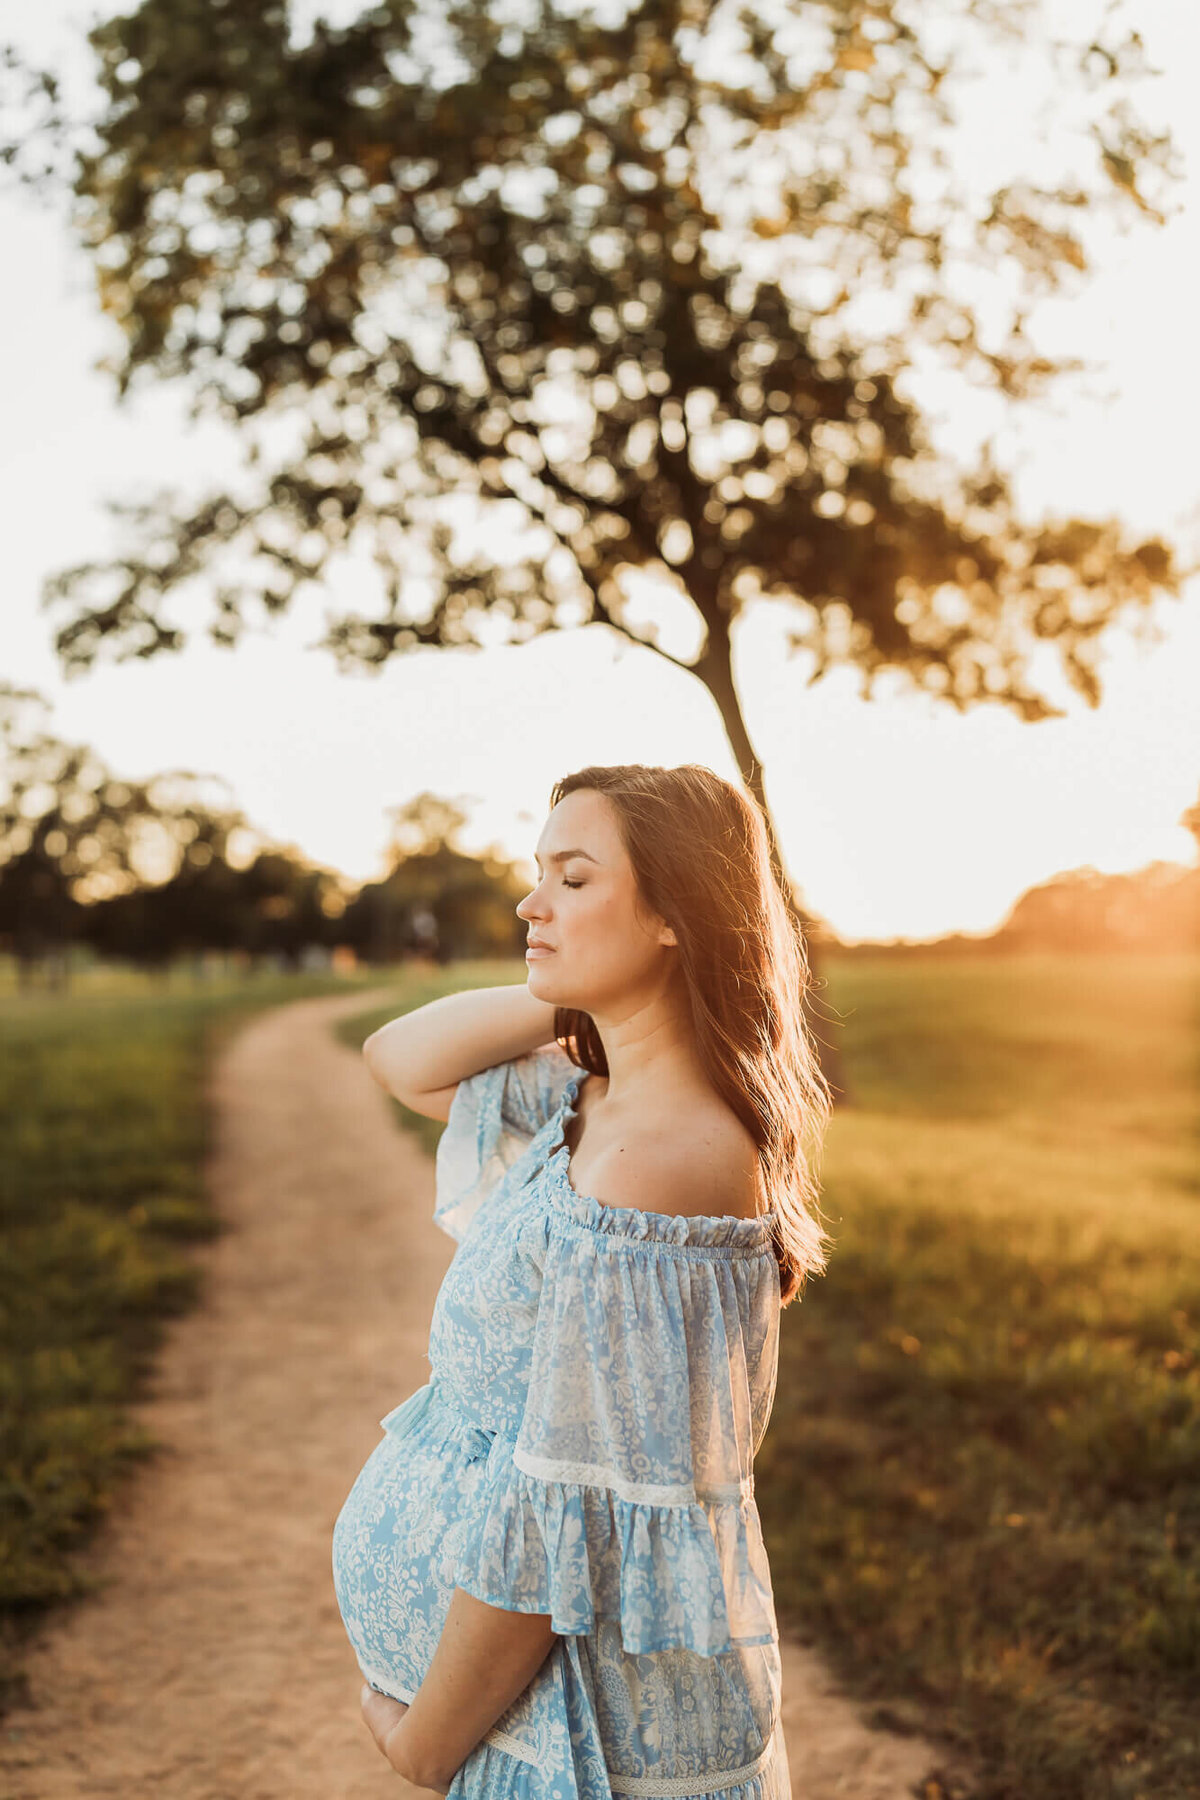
[(526, 906)]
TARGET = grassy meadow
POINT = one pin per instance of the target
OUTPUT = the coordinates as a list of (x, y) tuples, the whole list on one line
[(105, 1128), (981, 1485)]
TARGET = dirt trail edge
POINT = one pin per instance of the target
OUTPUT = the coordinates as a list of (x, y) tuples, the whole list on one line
[(212, 1664)]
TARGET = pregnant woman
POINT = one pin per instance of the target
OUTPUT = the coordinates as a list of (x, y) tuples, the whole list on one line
[(551, 1568)]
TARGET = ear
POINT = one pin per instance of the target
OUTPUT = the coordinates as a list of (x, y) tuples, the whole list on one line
[(667, 936)]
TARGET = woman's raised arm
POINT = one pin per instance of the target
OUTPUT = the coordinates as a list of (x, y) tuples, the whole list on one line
[(440, 1044)]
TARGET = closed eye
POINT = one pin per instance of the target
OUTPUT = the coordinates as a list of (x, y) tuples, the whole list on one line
[(567, 883)]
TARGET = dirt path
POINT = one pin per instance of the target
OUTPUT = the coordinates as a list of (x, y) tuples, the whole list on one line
[(212, 1664)]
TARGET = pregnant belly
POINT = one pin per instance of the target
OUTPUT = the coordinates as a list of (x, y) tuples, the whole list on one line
[(397, 1539)]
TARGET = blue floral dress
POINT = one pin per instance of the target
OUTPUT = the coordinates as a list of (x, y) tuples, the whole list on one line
[(601, 1380)]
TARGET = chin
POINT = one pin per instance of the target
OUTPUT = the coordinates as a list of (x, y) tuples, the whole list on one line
[(535, 977)]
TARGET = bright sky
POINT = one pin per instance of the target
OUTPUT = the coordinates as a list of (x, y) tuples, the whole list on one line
[(898, 817)]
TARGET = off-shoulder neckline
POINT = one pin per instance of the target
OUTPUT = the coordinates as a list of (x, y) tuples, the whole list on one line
[(632, 1221)]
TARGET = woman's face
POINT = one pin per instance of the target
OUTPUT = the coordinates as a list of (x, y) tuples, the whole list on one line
[(605, 949)]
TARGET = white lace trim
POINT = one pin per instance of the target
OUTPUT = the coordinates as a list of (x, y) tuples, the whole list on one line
[(583, 1474), (646, 1493), (684, 1785), (502, 1740)]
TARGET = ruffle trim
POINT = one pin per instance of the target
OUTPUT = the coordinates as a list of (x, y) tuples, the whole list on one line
[(726, 1230), (692, 1577)]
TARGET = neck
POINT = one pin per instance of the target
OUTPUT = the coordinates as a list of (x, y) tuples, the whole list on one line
[(650, 1047)]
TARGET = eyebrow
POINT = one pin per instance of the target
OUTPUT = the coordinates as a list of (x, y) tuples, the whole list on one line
[(562, 856)]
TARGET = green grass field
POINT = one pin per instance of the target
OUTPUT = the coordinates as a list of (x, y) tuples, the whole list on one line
[(981, 1485)]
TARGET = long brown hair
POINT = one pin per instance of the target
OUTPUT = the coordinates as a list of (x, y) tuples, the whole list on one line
[(701, 860)]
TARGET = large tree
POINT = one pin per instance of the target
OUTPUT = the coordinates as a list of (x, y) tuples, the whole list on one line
[(553, 301)]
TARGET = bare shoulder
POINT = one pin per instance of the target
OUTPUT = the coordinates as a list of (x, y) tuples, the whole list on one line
[(709, 1165)]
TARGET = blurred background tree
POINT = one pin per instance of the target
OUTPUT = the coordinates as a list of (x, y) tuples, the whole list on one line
[(156, 871), (436, 898), (551, 304)]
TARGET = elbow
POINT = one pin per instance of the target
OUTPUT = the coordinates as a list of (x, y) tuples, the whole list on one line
[(387, 1067), (371, 1056)]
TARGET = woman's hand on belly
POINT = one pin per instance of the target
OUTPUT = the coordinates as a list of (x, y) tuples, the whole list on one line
[(382, 1715)]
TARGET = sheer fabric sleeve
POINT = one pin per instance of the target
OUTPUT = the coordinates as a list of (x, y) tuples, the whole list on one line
[(628, 1492), (494, 1116)]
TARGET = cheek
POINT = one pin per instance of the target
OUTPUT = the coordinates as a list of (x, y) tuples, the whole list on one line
[(585, 920), (608, 929)]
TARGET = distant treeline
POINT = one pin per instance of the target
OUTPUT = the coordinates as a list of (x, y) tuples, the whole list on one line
[(1155, 908), (436, 901), (147, 873), (153, 871)]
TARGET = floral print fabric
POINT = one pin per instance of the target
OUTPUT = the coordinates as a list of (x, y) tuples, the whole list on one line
[(601, 1380)]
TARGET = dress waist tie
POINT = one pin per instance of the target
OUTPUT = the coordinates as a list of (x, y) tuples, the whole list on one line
[(435, 1398)]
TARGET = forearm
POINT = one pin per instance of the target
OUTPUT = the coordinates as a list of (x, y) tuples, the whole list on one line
[(458, 1035), (484, 1659)]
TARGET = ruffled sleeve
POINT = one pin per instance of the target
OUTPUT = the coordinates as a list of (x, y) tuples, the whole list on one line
[(627, 1492), (494, 1116)]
